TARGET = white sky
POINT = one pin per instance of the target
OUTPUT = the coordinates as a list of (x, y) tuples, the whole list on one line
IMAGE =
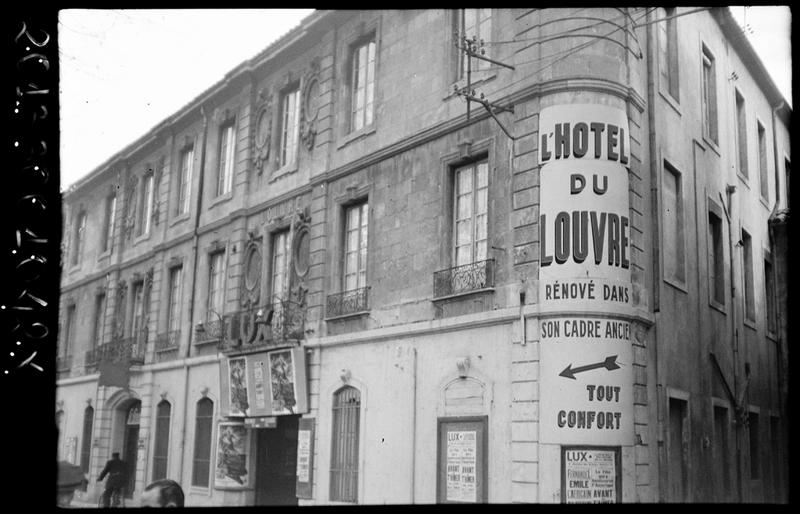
[(124, 71)]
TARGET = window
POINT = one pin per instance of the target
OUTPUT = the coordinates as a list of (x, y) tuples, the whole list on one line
[(99, 319), (362, 100), (355, 251), (80, 230), (668, 48), (755, 449), (161, 447), (108, 228), (86, 440), (137, 318), (203, 427), (69, 331), (471, 213), (741, 133), (722, 452), (216, 293), (769, 286), (185, 180), (174, 302), (473, 23), (280, 266), (747, 260), (762, 161), (716, 255), (145, 205), (672, 197), (709, 96), (677, 450), (787, 171), (344, 449), (290, 126), (227, 143)]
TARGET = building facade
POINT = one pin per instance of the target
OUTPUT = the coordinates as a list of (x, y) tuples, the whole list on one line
[(330, 280)]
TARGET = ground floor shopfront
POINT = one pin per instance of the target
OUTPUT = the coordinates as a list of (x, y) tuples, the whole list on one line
[(447, 410)]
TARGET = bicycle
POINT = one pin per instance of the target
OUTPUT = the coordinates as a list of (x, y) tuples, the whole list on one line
[(117, 500)]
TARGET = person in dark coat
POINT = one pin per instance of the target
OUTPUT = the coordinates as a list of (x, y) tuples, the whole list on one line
[(115, 469)]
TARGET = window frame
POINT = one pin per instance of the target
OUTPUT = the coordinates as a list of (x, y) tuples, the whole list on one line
[(286, 162), (454, 215), (755, 467), (157, 427), (107, 236), (276, 297), (211, 288), (185, 177), (361, 205), (743, 165), (70, 320), (770, 297), (79, 238), (146, 199), (210, 447), (669, 58), (487, 23), (686, 437), (725, 490), (99, 325), (226, 157), (678, 281), (86, 440), (355, 441), (354, 50), (763, 161), (748, 285), (173, 311), (709, 97), (715, 256)]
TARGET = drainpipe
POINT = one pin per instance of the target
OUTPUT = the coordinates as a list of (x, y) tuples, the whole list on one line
[(652, 142), (195, 250), (779, 346)]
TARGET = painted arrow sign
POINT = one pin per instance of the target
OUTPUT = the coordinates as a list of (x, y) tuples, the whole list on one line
[(610, 364)]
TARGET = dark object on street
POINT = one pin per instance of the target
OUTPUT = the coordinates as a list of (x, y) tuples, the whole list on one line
[(70, 477), (163, 493)]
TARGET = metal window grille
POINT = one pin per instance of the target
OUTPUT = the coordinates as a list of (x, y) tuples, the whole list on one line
[(201, 462), (161, 449), (344, 451)]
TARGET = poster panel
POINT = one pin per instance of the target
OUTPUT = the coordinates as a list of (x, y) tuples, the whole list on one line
[(305, 457), (233, 467), (591, 474), (462, 460), (282, 382), (238, 389)]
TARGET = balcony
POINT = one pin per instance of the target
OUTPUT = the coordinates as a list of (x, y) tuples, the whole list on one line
[(464, 279), (209, 331), (347, 303), (130, 348), (167, 341), (262, 326)]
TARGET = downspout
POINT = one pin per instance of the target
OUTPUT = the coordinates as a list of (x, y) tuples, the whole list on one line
[(194, 288), (652, 142)]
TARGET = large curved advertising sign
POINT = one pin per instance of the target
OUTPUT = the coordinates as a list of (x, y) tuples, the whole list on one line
[(585, 296)]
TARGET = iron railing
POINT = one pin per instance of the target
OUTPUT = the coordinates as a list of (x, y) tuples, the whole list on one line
[(463, 279), (167, 341), (347, 302), (209, 331), (131, 348), (262, 325)]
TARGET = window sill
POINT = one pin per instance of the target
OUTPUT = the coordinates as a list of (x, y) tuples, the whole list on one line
[(677, 284), (718, 306), (671, 101), (358, 134), (170, 349), (220, 199), (358, 314), (283, 171), (750, 323), (711, 144), (744, 179), (104, 255), (206, 342), (772, 336), (464, 294), (764, 202), (179, 218), (143, 237)]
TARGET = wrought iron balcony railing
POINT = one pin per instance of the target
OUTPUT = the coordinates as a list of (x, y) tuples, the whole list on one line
[(347, 302), (131, 348), (257, 326), (167, 341), (463, 279), (210, 331)]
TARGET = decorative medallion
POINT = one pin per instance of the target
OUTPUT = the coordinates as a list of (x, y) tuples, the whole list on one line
[(263, 131), (309, 105), (253, 263), (301, 252)]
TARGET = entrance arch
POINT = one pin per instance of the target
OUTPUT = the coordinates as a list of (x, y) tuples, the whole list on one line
[(126, 411)]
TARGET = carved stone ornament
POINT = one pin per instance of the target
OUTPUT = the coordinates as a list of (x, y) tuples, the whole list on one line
[(462, 364), (309, 105), (263, 131), (345, 375)]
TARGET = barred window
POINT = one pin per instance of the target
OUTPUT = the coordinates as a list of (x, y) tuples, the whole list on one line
[(86, 439), (344, 449), (201, 462), (161, 447), (470, 213), (355, 253)]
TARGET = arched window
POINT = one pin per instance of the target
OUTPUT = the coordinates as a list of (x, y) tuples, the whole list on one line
[(86, 440), (344, 448), (201, 463), (161, 449)]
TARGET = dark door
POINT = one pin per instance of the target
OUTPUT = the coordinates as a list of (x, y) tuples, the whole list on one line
[(276, 463), (130, 448)]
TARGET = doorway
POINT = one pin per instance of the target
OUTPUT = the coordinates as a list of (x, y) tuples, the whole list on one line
[(276, 463), (130, 446)]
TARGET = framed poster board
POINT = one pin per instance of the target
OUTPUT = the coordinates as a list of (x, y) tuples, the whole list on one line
[(591, 474), (462, 460), (305, 457), (234, 461)]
